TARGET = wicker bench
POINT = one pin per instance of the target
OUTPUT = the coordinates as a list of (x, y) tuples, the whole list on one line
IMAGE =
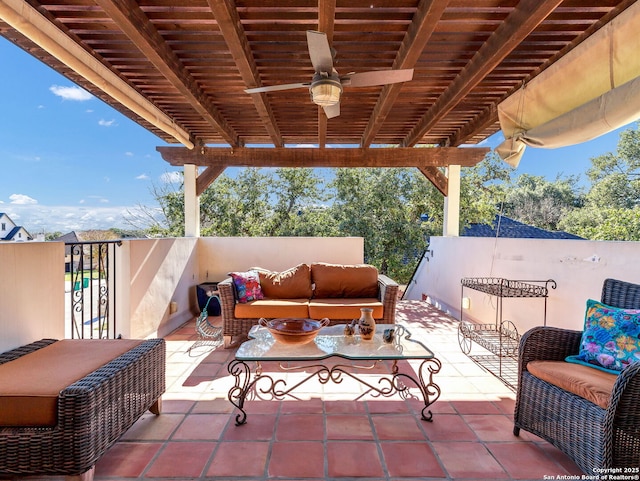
[(595, 438), (92, 413)]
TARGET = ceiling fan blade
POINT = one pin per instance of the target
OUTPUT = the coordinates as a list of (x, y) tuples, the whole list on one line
[(319, 51), (275, 88), (332, 111), (378, 77)]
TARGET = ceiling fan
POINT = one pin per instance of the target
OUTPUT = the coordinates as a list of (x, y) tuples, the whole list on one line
[(326, 85)]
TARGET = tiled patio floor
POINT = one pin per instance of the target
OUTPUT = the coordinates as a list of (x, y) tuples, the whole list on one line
[(332, 431)]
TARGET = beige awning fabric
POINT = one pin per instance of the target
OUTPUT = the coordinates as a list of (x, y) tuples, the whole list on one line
[(592, 90)]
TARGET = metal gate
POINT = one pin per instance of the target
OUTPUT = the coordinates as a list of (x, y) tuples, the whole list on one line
[(92, 269)]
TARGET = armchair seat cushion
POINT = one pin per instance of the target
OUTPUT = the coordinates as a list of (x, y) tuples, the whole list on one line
[(587, 382), (344, 308), (273, 308), (30, 385)]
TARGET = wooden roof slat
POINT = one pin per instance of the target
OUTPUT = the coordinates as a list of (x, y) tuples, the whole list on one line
[(229, 23), (193, 59), (132, 20), (418, 34), (518, 25)]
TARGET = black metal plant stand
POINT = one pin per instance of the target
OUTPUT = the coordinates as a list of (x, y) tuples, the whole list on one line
[(501, 339)]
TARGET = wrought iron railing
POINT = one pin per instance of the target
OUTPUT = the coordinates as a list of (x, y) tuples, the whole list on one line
[(92, 269)]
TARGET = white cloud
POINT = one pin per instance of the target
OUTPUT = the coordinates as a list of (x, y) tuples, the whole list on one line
[(129, 154), (142, 177), (106, 123), (36, 218), (104, 201), (171, 177), (21, 199), (71, 93), (89, 111), (82, 201)]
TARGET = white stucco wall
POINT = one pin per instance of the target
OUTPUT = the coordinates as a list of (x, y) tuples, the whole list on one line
[(157, 272), (220, 255), (31, 292), (578, 266), (150, 275)]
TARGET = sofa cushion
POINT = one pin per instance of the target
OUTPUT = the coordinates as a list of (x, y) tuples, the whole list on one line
[(344, 281), (272, 308), (293, 283), (611, 337), (344, 308), (591, 384), (30, 384)]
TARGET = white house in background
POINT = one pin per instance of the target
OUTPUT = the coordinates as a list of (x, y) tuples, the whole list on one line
[(10, 232)]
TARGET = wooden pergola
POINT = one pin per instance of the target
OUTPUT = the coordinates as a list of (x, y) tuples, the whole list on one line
[(180, 69)]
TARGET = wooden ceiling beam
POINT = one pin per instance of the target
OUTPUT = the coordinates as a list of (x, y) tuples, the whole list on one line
[(136, 25), (206, 178), (418, 34), (517, 26), (334, 158), (437, 178), (226, 15)]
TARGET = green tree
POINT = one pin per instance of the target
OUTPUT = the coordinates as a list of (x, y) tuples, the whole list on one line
[(237, 206), (373, 204), (299, 207), (612, 206), (541, 203), (482, 189)]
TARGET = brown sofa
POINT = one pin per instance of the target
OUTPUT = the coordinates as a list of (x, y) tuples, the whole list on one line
[(64, 403), (314, 291)]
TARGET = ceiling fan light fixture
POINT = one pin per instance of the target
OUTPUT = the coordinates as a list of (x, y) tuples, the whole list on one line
[(325, 91)]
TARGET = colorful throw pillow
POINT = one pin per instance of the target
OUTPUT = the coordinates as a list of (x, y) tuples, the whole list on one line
[(611, 337), (247, 286)]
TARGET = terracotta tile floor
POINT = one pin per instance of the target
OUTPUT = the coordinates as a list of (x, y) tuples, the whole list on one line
[(333, 431)]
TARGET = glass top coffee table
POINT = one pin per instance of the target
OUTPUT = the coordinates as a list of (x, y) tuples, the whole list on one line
[(331, 343)]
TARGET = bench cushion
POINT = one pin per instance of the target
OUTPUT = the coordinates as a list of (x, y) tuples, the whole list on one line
[(344, 281), (344, 308), (272, 308), (589, 383), (293, 283), (29, 385)]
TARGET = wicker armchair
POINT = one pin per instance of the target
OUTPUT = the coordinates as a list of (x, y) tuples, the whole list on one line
[(593, 437)]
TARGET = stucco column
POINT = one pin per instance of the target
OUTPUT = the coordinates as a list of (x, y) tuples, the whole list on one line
[(451, 224), (191, 202)]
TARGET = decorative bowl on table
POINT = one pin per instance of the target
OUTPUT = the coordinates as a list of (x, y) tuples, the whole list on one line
[(294, 330)]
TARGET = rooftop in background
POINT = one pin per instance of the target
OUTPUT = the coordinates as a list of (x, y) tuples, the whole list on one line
[(506, 227)]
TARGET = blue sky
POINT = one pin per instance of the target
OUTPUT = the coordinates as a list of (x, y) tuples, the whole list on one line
[(71, 162)]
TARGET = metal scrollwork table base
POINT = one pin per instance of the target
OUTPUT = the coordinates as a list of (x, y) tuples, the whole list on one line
[(332, 343)]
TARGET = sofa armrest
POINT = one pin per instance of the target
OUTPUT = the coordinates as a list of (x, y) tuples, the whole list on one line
[(227, 305), (388, 295), (547, 344)]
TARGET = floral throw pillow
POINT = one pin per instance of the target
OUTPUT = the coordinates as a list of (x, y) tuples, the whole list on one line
[(611, 337), (247, 285)]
